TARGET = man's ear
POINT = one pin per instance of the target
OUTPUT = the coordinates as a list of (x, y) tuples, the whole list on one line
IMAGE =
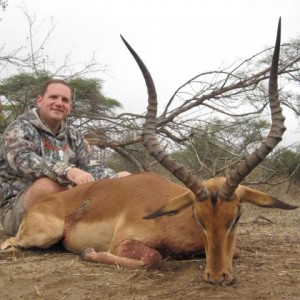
[(39, 100)]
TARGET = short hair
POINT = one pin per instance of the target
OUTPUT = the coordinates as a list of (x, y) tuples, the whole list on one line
[(54, 81)]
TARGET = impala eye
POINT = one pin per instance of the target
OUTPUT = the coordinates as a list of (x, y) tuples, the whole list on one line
[(200, 224), (236, 220), (198, 221)]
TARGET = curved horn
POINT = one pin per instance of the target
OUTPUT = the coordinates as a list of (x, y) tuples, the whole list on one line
[(275, 134), (150, 140)]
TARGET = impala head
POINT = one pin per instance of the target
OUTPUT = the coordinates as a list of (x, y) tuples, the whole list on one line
[(217, 205)]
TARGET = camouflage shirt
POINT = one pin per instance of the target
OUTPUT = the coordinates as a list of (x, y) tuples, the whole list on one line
[(29, 150)]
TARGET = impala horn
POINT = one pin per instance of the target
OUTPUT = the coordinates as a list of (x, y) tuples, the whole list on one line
[(150, 140), (275, 134)]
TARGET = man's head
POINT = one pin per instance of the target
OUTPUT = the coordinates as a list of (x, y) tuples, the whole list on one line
[(55, 102)]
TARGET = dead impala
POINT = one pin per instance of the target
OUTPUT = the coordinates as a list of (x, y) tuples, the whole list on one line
[(124, 221)]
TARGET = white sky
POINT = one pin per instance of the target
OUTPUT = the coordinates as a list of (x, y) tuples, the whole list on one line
[(177, 39)]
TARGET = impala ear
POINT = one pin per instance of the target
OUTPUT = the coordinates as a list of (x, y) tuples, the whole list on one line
[(262, 199), (174, 206)]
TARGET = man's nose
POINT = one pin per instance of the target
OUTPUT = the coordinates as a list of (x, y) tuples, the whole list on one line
[(59, 101)]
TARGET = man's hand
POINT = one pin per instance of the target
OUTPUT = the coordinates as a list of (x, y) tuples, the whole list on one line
[(79, 176)]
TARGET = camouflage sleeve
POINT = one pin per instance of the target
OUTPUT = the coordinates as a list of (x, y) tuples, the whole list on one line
[(21, 146), (89, 160)]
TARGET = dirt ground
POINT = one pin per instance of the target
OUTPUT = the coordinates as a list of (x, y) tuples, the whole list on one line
[(268, 268)]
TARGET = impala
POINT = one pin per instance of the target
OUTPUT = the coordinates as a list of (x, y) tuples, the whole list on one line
[(137, 220)]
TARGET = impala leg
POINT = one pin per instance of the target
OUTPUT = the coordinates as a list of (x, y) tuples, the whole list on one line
[(130, 253), (89, 254), (36, 230)]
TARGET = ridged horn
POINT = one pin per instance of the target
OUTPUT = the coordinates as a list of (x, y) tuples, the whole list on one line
[(150, 140), (274, 136)]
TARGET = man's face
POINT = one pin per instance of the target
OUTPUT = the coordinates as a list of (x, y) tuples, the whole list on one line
[(55, 105)]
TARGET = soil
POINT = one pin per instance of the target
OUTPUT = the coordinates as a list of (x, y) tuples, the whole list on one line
[(268, 268)]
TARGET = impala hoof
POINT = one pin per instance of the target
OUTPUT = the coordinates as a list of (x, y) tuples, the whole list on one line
[(86, 252)]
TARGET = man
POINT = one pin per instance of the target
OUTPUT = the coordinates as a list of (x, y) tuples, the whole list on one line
[(40, 154)]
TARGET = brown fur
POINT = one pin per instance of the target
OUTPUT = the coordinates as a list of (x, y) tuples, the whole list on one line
[(104, 221)]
